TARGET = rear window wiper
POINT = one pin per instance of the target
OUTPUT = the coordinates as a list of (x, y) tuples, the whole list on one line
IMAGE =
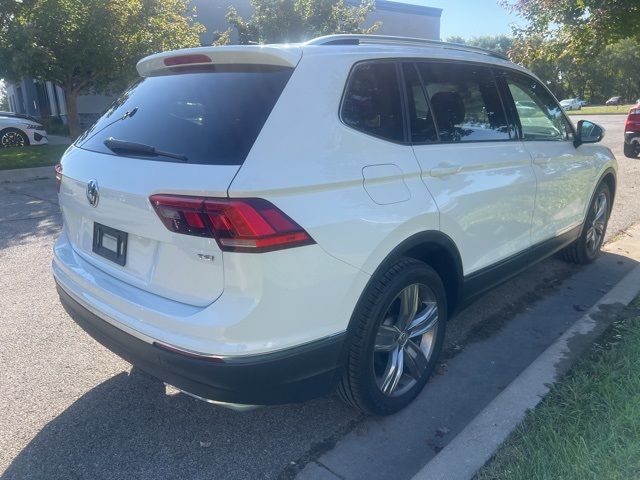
[(122, 147)]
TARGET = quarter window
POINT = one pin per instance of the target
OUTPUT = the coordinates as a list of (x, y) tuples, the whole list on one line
[(541, 117), (465, 102), (372, 102)]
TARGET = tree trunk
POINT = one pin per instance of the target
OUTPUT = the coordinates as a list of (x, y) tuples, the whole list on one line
[(71, 100)]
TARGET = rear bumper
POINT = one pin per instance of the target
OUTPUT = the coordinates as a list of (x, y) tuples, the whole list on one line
[(632, 138), (292, 375)]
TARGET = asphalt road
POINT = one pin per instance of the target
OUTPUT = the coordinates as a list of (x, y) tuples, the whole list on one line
[(71, 409)]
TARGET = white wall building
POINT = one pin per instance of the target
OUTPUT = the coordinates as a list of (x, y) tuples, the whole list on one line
[(398, 18)]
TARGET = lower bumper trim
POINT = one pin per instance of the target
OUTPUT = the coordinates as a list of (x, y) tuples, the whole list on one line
[(293, 375)]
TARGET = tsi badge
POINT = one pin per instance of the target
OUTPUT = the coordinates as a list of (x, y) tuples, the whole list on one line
[(209, 258), (93, 193)]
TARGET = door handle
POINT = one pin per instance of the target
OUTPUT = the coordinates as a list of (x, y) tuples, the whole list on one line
[(541, 160), (445, 170)]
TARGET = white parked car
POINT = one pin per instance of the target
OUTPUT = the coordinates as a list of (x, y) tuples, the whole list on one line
[(571, 104), (265, 224), (20, 131)]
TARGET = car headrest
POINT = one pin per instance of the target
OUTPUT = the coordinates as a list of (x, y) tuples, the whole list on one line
[(448, 107)]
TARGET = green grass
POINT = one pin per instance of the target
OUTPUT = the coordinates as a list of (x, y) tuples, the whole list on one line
[(33, 156), (588, 427), (601, 109)]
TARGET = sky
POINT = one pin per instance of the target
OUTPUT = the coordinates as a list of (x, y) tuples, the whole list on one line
[(471, 18)]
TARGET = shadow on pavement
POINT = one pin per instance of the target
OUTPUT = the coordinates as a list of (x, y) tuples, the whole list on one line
[(127, 427), (29, 212)]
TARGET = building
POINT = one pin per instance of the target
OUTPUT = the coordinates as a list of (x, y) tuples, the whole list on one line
[(398, 18), (44, 99)]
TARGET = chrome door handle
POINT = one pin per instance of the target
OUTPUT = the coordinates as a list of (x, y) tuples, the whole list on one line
[(445, 170), (541, 160)]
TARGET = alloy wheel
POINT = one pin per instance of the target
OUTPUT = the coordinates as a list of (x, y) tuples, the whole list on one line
[(12, 139), (405, 340)]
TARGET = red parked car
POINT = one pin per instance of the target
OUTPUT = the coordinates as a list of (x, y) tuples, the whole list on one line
[(632, 132)]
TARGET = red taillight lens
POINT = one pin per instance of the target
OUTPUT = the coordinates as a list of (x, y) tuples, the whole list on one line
[(58, 169), (633, 120), (238, 225)]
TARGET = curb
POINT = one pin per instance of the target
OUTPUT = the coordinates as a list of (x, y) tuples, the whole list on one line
[(477, 443), (26, 174)]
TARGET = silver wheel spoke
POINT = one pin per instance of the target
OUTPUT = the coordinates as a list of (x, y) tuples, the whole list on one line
[(393, 372), (415, 360), (405, 340), (425, 322), (386, 338), (595, 234), (601, 207), (409, 303), (599, 228)]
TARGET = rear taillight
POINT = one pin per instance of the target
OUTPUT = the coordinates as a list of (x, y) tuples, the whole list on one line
[(238, 225), (58, 169), (187, 59), (633, 120)]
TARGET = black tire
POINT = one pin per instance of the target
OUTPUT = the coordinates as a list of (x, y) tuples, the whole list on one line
[(359, 386), (582, 251), (630, 151), (12, 137)]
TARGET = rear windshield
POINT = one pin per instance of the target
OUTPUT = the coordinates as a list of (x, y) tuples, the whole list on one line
[(211, 117)]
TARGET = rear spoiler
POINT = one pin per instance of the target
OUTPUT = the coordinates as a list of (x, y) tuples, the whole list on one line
[(159, 63)]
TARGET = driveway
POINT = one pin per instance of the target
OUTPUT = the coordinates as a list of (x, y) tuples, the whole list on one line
[(71, 409)]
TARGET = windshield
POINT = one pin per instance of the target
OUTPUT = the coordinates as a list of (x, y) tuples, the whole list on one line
[(211, 117)]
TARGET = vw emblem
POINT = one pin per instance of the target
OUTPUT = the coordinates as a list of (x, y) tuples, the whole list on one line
[(93, 194)]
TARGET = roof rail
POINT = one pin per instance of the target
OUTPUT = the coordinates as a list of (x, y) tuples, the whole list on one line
[(357, 39)]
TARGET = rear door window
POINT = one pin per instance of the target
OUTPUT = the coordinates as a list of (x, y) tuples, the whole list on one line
[(211, 117), (465, 102), (372, 101)]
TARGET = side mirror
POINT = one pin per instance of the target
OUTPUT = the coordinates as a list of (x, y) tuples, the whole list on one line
[(588, 132)]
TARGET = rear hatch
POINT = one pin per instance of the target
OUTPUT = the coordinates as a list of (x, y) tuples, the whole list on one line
[(201, 113)]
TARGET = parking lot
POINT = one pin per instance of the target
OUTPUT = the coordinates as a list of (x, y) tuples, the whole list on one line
[(72, 409)]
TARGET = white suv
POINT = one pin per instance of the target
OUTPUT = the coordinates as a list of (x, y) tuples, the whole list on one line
[(264, 224)]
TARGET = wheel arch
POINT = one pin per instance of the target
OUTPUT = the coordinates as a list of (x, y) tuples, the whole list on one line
[(437, 250), (609, 176)]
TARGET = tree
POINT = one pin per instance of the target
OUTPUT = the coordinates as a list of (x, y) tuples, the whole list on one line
[(89, 45), (497, 43), (584, 27), (275, 21), (4, 101)]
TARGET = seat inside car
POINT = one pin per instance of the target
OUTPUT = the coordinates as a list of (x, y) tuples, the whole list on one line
[(449, 111)]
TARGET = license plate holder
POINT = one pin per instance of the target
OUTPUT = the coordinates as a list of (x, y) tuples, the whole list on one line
[(110, 243)]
